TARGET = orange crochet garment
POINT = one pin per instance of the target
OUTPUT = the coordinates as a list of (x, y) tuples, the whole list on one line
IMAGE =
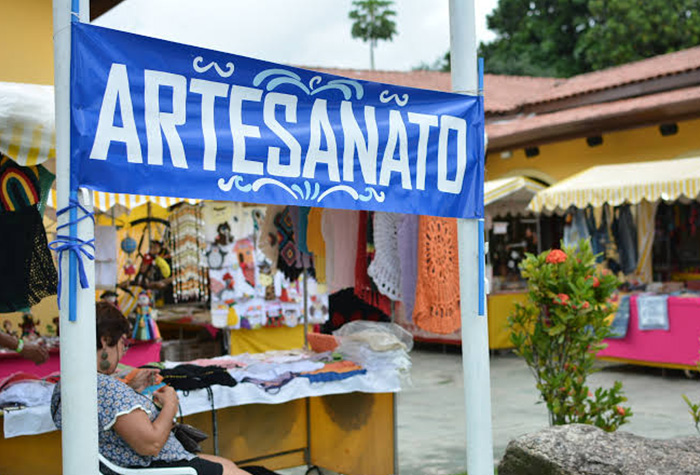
[(437, 291)]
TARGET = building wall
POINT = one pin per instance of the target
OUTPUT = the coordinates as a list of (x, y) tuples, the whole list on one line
[(563, 159), (26, 36)]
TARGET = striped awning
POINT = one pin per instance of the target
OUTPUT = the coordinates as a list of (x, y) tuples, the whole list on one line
[(27, 123), (509, 195), (667, 180), (106, 201)]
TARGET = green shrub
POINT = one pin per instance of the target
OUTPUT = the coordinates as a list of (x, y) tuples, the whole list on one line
[(559, 331)]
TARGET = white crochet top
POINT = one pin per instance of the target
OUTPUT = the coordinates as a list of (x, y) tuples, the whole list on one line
[(385, 270)]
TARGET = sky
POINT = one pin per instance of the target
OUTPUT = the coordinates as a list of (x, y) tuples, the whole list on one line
[(310, 33)]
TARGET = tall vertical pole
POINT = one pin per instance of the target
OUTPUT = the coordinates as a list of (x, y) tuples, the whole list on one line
[(475, 338), (78, 355)]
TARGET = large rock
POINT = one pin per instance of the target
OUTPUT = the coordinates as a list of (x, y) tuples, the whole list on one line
[(579, 449)]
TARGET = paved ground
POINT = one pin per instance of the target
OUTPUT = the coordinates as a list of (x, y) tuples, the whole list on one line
[(431, 413)]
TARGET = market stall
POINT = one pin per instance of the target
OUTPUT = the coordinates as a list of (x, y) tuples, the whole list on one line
[(643, 220), (457, 183), (512, 231)]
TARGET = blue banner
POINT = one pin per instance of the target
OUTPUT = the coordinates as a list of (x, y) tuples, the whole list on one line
[(153, 117)]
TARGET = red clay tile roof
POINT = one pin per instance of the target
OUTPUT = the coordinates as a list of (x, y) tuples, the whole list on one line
[(639, 71), (501, 93), (605, 115)]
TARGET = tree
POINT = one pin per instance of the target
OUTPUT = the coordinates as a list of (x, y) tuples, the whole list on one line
[(626, 30), (372, 21), (562, 38), (536, 37)]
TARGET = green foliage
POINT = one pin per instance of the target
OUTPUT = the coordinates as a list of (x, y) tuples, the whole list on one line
[(561, 38), (628, 30), (694, 410), (536, 38), (559, 331), (372, 20)]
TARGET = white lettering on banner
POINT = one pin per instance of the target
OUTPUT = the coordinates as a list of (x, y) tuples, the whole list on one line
[(397, 134), (448, 123), (319, 122), (209, 90), (117, 90), (240, 131), (424, 122), (274, 166), (354, 140), (280, 116), (157, 120)]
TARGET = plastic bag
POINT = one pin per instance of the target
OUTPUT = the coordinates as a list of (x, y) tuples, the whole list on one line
[(379, 336)]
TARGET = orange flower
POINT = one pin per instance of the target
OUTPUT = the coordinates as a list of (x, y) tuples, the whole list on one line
[(620, 410), (561, 299), (556, 256), (585, 305)]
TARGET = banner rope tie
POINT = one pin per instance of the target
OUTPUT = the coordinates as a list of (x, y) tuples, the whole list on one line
[(80, 247)]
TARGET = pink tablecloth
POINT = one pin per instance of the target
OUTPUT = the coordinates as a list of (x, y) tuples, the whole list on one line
[(139, 354), (679, 345)]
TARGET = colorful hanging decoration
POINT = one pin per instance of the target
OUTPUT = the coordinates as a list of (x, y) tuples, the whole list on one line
[(145, 327), (189, 261)]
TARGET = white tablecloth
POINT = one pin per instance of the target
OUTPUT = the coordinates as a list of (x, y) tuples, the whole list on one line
[(37, 420)]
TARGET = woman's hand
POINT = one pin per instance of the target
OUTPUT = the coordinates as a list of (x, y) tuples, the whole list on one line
[(143, 378), (35, 352), (165, 396)]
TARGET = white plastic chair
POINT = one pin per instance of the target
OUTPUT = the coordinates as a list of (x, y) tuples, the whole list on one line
[(146, 470)]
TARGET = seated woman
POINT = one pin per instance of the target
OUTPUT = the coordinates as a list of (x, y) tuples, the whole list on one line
[(132, 431)]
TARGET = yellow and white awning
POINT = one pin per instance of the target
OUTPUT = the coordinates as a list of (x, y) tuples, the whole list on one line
[(509, 195), (106, 201), (27, 123), (667, 180)]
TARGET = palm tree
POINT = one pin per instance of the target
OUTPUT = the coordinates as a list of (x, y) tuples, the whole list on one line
[(372, 21)]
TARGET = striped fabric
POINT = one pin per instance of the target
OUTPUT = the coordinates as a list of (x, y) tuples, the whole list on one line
[(27, 123), (509, 195), (631, 183), (106, 201)]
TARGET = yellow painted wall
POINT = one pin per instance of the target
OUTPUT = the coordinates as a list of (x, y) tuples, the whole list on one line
[(26, 36), (561, 160)]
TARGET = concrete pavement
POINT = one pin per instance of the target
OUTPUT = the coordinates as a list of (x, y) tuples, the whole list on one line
[(431, 421)]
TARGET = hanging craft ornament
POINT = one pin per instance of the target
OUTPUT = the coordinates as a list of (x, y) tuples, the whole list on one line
[(128, 245)]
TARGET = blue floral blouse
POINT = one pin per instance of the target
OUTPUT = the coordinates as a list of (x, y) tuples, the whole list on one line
[(114, 399)]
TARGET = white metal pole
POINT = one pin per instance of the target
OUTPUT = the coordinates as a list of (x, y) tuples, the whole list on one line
[(475, 338), (78, 354)]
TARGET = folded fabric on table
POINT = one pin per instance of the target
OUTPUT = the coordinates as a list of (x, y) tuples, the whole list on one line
[(188, 376), (27, 393), (620, 323), (331, 376), (652, 311)]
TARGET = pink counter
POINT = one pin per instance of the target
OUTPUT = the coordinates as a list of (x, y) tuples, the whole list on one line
[(139, 354), (677, 347)]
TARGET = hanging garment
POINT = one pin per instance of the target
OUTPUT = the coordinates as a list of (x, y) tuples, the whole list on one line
[(437, 292), (21, 187), (289, 259), (408, 259), (267, 241), (383, 269), (625, 233), (105, 257), (364, 287), (340, 234), (27, 271), (598, 233), (576, 229), (316, 244), (344, 306), (646, 213)]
